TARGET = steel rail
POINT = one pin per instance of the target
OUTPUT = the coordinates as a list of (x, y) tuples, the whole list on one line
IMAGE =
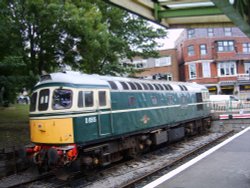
[(32, 180), (173, 163)]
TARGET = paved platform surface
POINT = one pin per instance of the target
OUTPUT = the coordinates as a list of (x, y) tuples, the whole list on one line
[(227, 166)]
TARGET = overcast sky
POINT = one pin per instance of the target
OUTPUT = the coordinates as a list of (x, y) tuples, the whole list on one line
[(169, 41)]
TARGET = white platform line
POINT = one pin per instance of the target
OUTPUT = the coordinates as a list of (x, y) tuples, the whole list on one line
[(193, 161)]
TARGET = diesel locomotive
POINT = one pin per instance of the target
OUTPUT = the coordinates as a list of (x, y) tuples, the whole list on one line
[(95, 120)]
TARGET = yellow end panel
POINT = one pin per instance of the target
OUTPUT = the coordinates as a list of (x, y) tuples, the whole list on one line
[(52, 131)]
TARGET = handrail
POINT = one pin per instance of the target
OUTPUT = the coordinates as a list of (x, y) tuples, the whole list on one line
[(229, 106)]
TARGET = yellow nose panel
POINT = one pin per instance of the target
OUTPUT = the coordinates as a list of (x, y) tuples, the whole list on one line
[(52, 131)]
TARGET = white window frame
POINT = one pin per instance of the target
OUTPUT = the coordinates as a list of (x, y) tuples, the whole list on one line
[(190, 50), (203, 49), (163, 61), (246, 47), (140, 64), (247, 67), (228, 67), (206, 70), (228, 31), (210, 32), (192, 68), (225, 46), (190, 33), (107, 95)]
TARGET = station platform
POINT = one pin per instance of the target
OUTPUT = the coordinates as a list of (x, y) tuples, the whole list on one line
[(226, 165)]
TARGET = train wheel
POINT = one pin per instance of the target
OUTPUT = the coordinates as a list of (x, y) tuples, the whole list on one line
[(52, 158)]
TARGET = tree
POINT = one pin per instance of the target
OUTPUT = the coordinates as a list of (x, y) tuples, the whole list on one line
[(123, 36), (90, 36), (13, 71)]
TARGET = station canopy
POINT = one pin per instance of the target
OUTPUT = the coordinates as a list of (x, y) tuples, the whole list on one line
[(191, 13)]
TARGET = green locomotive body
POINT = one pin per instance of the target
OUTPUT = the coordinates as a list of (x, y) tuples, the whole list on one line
[(98, 118)]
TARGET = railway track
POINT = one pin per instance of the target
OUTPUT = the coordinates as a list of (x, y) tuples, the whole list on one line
[(12, 161), (128, 169), (152, 166), (157, 172), (32, 180)]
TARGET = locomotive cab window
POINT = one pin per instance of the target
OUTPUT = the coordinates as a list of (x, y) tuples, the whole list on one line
[(85, 99), (199, 100), (102, 98), (33, 102), (43, 100), (62, 99)]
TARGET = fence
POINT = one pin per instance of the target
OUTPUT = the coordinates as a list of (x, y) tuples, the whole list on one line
[(230, 106)]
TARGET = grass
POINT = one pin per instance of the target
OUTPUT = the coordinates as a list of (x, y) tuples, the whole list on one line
[(14, 125), (14, 113)]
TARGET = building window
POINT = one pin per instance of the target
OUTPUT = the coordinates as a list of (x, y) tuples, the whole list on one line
[(225, 46), (169, 77), (203, 49), (190, 50), (210, 32), (163, 61), (162, 76), (192, 71), (246, 47), (228, 31), (206, 70), (191, 33), (247, 67), (140, 64), (227, 68)]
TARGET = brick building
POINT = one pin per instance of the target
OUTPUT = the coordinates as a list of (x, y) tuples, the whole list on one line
[(216, 57), (164, 67)]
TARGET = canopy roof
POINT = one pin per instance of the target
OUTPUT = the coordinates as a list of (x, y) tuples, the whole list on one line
[(191, 13)]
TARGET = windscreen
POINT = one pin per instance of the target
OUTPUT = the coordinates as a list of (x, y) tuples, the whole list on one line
[(62, 99)]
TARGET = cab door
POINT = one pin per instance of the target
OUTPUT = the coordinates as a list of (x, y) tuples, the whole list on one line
[(105, 124)]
